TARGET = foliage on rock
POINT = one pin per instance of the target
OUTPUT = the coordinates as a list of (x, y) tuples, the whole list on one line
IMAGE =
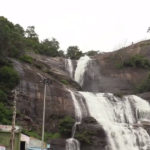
[(145, 85), (26, 58), (65, 126), (8, 78), (136, 61)]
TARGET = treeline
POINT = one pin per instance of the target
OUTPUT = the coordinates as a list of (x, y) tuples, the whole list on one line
[(15, 41)]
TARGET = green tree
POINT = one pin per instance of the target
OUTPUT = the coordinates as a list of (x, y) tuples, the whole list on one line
[(49, 47), (65, 126), (61, 53), (92, 53), (30, 32), (32, 40), (8, 78), (74, 52), (11, 40)]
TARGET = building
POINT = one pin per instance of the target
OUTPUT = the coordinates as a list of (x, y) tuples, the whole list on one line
[(22, 141), (5, 134)]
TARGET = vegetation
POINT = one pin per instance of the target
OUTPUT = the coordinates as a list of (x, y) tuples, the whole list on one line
[(27, 59), (145, 85), (5, 114), (8, 78), (65, 126), (31, 133), (136, 61), (92, 53), (51, 136), (3, 96), (84, 137), (73, 52), (64, 82), (47, 136)]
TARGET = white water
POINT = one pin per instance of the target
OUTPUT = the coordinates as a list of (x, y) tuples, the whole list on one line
[(118, 118), (72, 143), (81, 67), (69, 67)]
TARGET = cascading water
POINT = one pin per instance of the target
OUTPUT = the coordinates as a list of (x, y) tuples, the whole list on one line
[(120, 119), (72, 143), (69, 66), (81, 67)]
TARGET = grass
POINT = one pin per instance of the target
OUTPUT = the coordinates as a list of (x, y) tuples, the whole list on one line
[(26, 58)]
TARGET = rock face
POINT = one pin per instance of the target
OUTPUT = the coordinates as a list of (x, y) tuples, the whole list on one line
[(102, 75), (30, 99), (91, 135)]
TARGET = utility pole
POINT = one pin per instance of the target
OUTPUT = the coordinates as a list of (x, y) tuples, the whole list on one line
[(12, 140), (46, 82)]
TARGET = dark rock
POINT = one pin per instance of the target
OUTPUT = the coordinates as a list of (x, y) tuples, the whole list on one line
[(91, 135)]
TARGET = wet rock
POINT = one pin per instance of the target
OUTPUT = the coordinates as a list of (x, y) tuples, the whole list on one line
[(91, 135)]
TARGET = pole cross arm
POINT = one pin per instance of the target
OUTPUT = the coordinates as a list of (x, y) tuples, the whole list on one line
[(47, 81)]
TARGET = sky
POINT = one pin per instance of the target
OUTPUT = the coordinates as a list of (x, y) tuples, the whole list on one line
[(103, 25)]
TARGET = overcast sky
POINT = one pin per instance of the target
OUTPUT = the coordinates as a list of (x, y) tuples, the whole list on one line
[(102, 25)]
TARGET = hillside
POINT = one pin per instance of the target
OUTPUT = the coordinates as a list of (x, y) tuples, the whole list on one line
[(103, 75)]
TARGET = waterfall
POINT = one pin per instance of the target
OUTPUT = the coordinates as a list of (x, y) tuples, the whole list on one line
[(121, 119), (72, 143), (69, 66), (81, 67)]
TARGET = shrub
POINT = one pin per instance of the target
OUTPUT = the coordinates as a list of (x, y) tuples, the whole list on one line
[(3, 96), (84, 137), (51, 136), (64, 82), (144, 86), (137, 61), (27, 59), (31, 133), (9, 78), (5, 114), (65, 126)]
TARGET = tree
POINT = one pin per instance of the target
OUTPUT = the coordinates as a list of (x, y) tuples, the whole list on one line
[(49, 47), (32, 40), (92, 53), (11, 38), (30, 32), (61, 53), (73, 52)]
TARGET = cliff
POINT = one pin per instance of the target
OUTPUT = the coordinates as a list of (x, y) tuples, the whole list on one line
[(102, 75)]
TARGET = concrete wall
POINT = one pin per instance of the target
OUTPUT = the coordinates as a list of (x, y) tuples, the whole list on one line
[(5, 140), (35, 143)]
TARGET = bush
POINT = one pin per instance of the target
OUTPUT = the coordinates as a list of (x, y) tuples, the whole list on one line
[(5, 114), (138, 61), (31, 133), (9, 78), (3, 96), (64, 82), (84, 137), (65, 126), (27, 59), (50, 136), (144, 86)]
